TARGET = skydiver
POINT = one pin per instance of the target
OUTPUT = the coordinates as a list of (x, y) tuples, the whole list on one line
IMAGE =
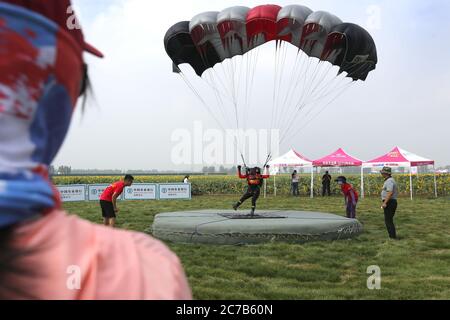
[(255, 180)]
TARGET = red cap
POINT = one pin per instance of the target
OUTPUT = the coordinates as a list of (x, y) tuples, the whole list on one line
[(56, 10)]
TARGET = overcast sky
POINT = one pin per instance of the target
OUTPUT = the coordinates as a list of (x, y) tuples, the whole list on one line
[(140, 103)]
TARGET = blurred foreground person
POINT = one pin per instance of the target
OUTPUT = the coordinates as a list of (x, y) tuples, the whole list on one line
[(44, 253)]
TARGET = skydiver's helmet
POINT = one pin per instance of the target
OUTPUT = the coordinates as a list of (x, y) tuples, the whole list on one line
[(257, 170)]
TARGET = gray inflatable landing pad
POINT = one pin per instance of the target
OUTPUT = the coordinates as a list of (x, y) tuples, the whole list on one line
[(225, 227)]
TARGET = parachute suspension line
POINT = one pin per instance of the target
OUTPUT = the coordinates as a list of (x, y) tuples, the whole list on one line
[(278, 79), (229, 75), (253, 66), (282, 56), (302, 102), (253, 62), (268, 159), (208, 109), (280, 86), (247, 84), (231, 124), (342, 91), (337, 88), (235, 83), (328, 88), (294, 85), (239, 145), (227, 81), (337, 93), (322, 78), (275, 84), (301, 80), (232, 98), (220, 103), (325, 71), (317, 102), (306, 88), (190, 86), (310, 85), (243, 161), (324, 85), (246, 57), (291, 81), (239, 69), (216, 75)]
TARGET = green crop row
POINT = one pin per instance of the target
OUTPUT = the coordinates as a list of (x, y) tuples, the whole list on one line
[(423, 185)]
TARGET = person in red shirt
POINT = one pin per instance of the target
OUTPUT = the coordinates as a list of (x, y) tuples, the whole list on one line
[(255, 180), (351, 197), (108, 200)]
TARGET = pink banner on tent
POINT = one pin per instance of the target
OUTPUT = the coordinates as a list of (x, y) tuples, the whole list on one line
[(398, 158), (338, 159)]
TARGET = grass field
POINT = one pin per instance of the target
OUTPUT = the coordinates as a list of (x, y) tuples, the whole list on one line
[(416, 267)]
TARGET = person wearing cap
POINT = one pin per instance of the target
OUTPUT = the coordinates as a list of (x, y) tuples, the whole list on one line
[(350, 195), (46, 254), (389, 196)]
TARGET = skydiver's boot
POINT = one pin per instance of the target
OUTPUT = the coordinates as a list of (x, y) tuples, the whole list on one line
[(252, 213), (237, 205)]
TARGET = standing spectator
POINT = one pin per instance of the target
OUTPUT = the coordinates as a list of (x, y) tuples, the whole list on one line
[(351, 197), (108, 200), (186, 180), (389, 197), (326, 184), (295, 183)]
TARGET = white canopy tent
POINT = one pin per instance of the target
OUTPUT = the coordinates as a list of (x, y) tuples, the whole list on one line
[(293, 160), (399, 158)]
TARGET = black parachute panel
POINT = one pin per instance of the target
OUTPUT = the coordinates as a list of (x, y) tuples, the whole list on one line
[(209, 55), (181, 49), (353, 49)]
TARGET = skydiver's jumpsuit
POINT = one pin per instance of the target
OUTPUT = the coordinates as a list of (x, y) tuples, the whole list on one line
[(255, 182)]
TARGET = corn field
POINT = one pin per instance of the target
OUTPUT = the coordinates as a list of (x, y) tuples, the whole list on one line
[(220, 185)]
